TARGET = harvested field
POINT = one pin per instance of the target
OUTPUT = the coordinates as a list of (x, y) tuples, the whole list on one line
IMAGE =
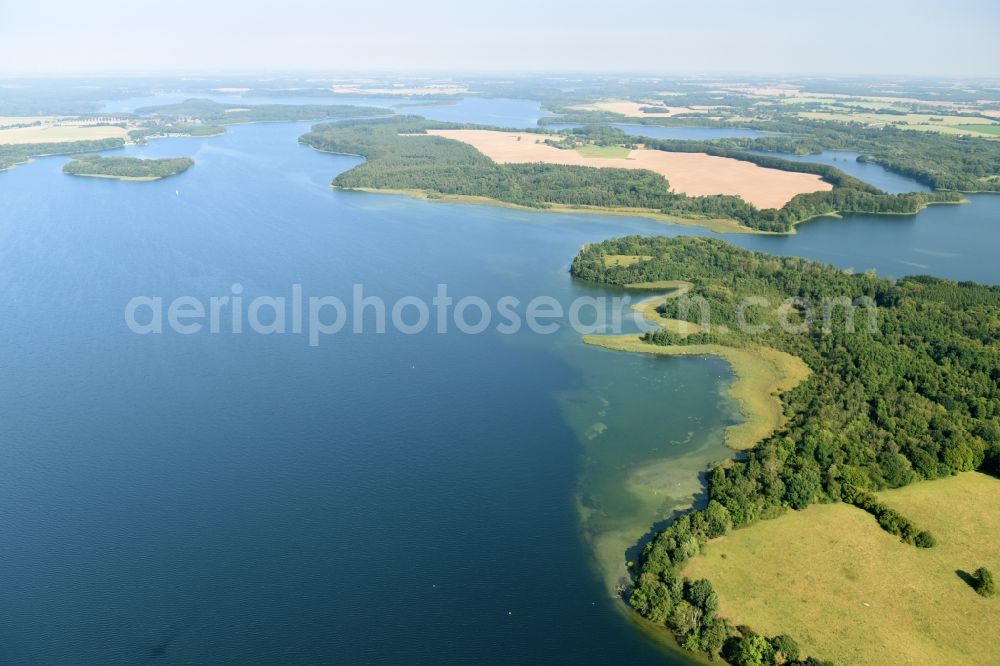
[(60, 133), (695, 174)]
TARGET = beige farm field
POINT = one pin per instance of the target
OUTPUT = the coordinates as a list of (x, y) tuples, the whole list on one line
[(59, 133), (10, 121), (850, 592), (695, 174)]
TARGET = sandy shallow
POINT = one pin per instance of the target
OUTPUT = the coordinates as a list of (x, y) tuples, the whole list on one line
[(58, 133), (695, 174)]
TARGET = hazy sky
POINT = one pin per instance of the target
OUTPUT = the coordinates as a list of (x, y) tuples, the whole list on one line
[(917, 37)]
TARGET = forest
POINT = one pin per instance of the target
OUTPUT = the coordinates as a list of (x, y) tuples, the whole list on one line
[(445, 167), (11, 154), (126, 167), (915, 397)]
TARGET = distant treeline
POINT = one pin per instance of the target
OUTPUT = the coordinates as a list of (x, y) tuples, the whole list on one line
[(126, 167), (446, 167), (917, 397), (216, 113)]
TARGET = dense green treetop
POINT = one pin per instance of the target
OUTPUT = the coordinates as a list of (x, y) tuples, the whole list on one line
[(11, 154), (126, 167)]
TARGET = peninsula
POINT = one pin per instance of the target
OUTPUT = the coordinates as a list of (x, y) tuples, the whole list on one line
[(901, 391), (547, 170)]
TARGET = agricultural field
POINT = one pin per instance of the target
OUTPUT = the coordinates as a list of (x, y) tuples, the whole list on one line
[(695, 174), (924, 122), (850, 592), (60, 133), (616, 152)]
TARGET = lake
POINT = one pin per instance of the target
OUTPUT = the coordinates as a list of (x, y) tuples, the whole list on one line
[(847, 161), (379, 498)]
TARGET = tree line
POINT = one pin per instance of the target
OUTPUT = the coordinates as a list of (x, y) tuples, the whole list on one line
[(217, 113), (11, 154)]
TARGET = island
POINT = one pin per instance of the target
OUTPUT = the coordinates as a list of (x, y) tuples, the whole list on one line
[(127, 168), (888, 446)]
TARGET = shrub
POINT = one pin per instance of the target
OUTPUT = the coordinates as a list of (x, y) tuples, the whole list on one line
[(786, 646), (750, 650), (983, 582)]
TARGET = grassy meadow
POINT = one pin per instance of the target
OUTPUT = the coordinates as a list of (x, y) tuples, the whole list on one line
[(617, 152), (849, 591)]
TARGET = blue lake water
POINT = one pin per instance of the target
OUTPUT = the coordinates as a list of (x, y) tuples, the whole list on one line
[(247, 499), (386, 498), (873, 174), (488, 111)]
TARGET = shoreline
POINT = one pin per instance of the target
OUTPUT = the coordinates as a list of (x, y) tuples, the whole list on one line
[(760, 375), (719, 226), (138, 179)]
